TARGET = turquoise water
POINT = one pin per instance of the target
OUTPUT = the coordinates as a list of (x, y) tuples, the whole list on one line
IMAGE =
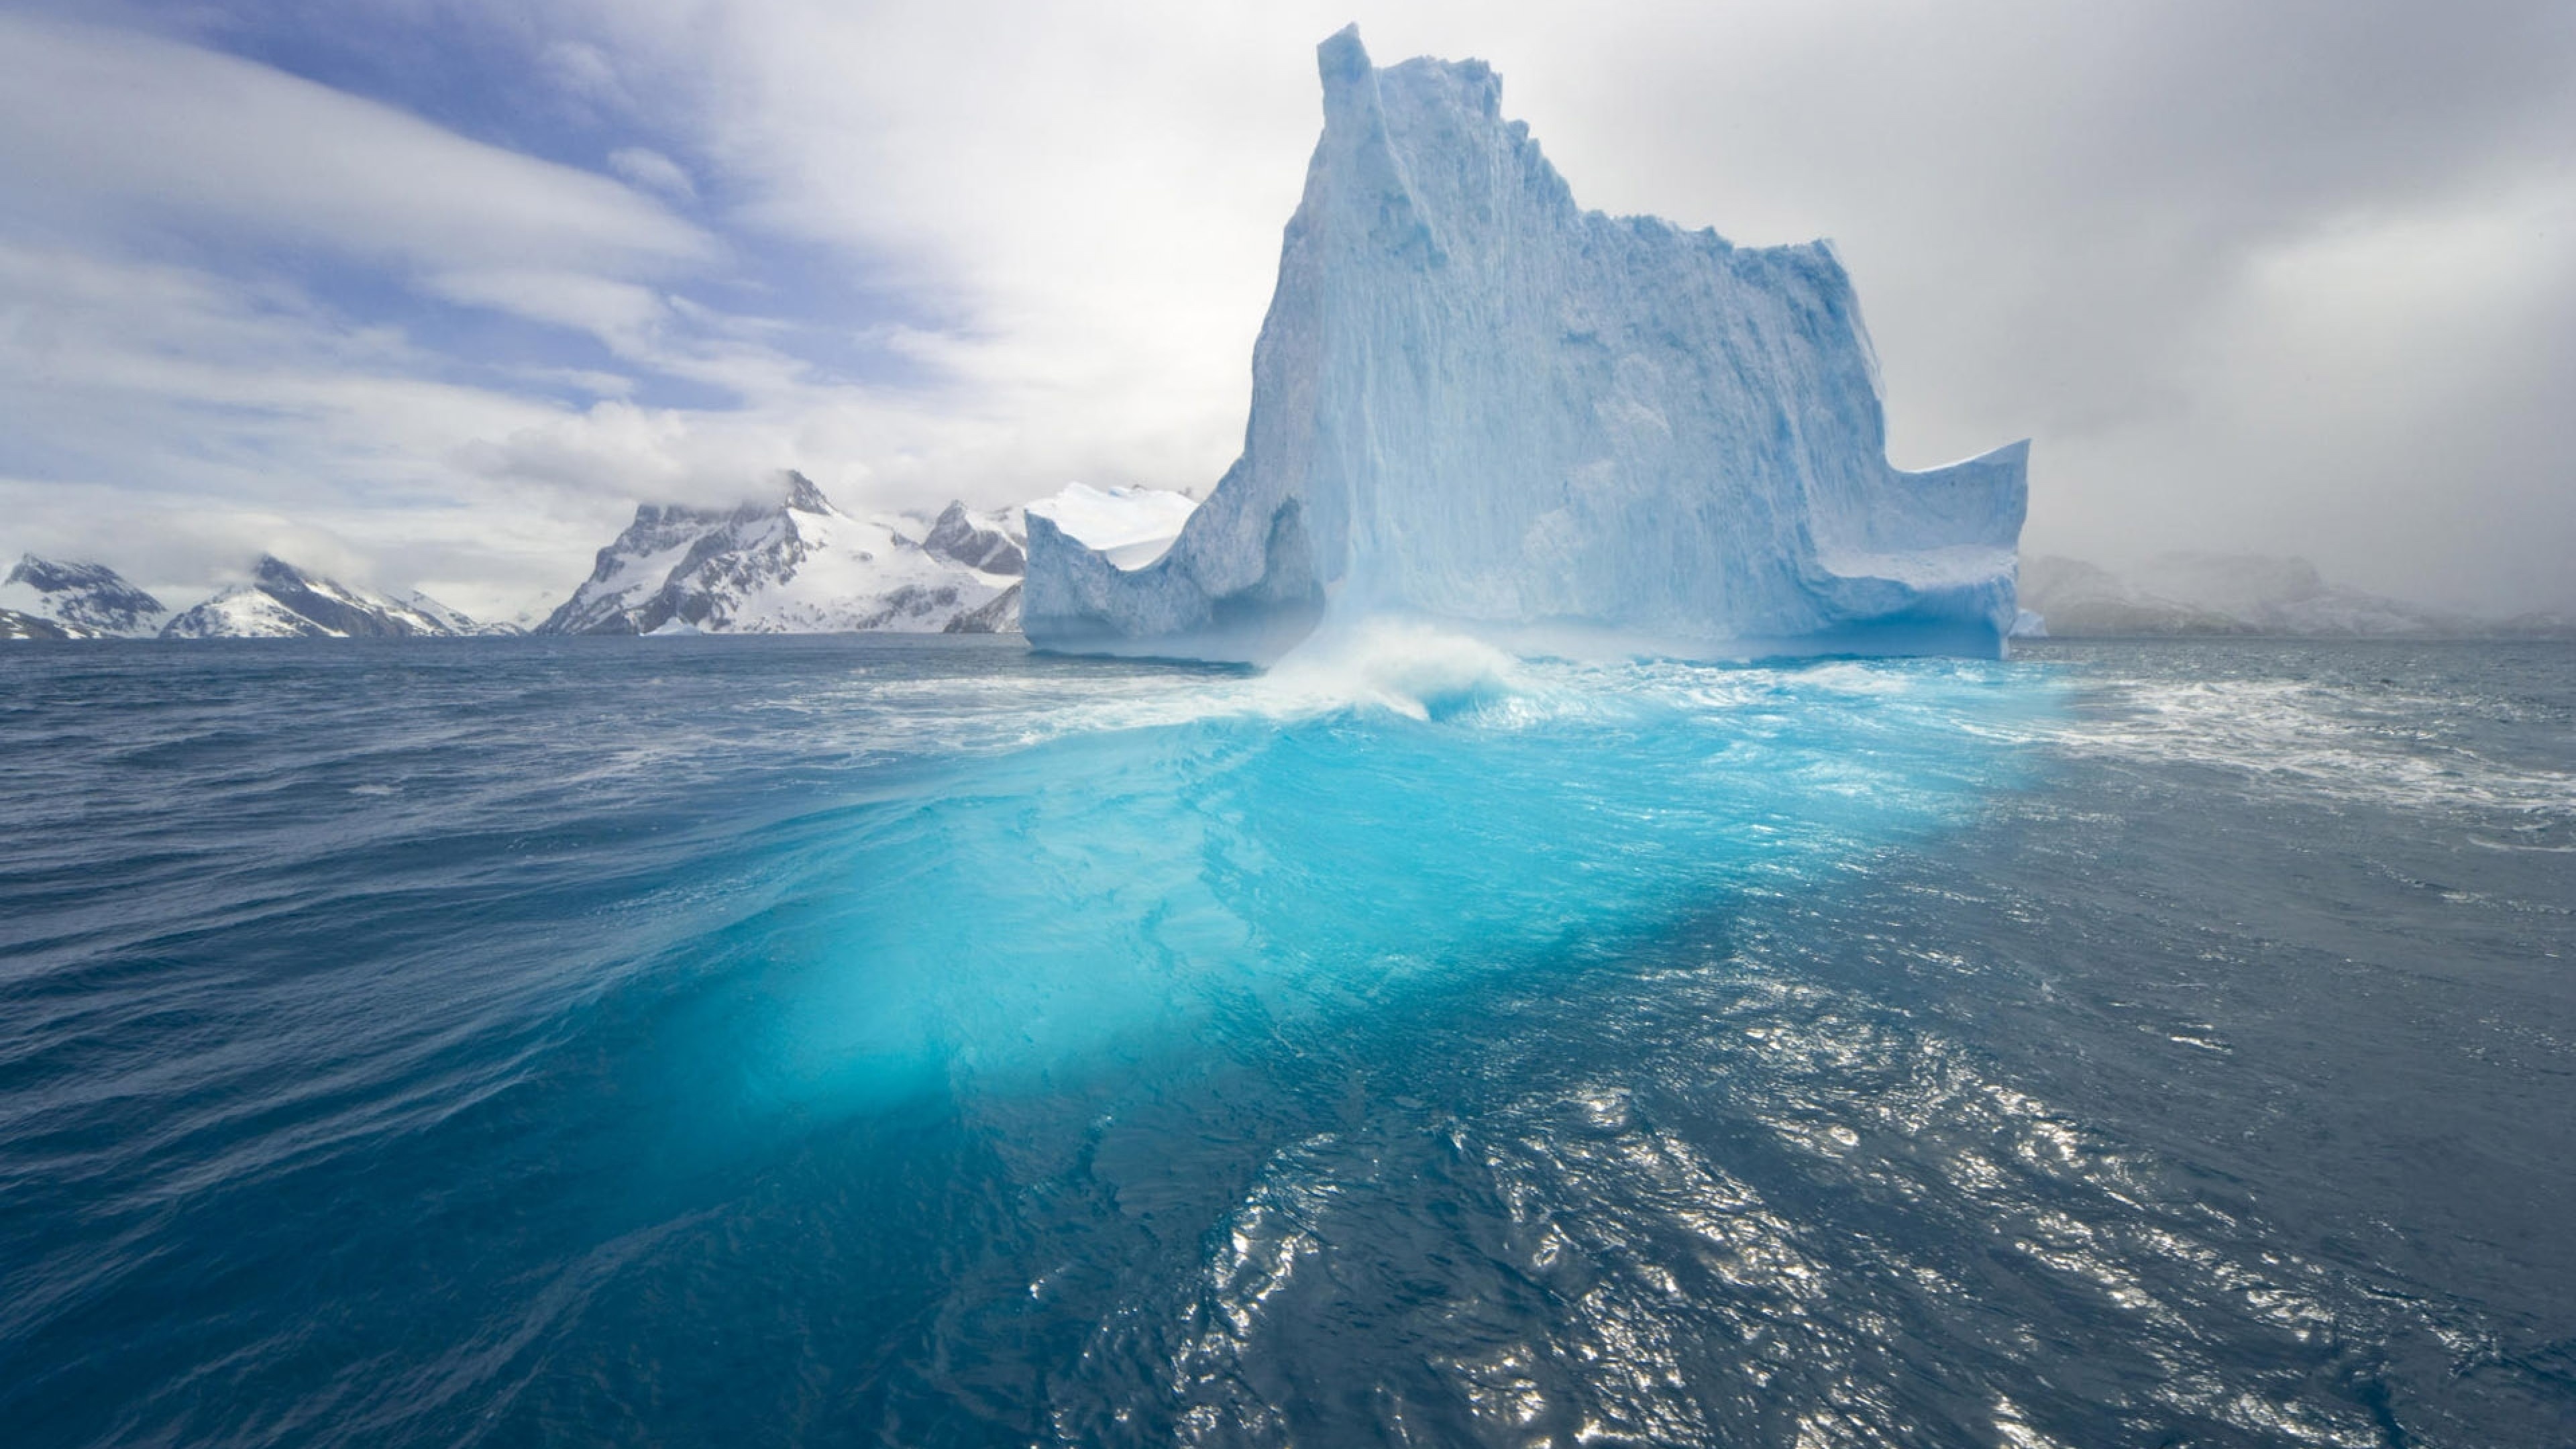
[(862, 1040), (1173, 856)]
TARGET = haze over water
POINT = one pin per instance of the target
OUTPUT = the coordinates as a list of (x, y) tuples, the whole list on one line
[(857, 1040)]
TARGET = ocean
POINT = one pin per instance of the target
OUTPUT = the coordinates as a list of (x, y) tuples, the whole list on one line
[(868, 1040)]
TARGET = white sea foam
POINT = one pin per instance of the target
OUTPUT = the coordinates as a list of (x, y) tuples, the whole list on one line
[(2316, 739)]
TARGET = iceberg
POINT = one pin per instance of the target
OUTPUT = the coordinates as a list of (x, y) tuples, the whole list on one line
[(1474, 402)]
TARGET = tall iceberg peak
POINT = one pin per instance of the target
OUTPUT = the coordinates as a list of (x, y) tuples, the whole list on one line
[(1474, 401)]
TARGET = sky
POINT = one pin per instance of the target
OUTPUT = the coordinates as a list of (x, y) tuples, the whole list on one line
[(431, 293)]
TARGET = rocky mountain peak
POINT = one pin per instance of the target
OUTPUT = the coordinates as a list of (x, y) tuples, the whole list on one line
[(799, 565), (54, 576), (285, 602), (272, 571), (79, 600), (958, 537), (804, 497)]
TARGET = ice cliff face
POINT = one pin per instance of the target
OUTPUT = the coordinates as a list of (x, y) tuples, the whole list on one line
[(284, 602), (1475, 401), (75, 601), (799, 566)]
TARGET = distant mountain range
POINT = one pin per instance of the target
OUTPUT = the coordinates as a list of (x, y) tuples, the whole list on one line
[(46, 599), (283, 602), (43, 599), (2208, 594), (800, 566)]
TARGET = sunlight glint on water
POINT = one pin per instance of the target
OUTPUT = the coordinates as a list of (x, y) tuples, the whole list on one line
[(917, 1041)]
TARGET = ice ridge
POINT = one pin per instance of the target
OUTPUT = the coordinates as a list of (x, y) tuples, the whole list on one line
[(1474, 401)]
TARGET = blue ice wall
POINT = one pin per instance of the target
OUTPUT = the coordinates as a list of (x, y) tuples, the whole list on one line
[(1476, 402)]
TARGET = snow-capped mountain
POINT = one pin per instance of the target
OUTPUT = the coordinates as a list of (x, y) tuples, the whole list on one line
[(14, 625), (452, 620), (284, 602), (800, 566), (49, 599), (2209, 593)]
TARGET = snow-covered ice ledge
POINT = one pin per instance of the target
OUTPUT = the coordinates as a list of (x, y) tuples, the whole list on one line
[(1475, 402)]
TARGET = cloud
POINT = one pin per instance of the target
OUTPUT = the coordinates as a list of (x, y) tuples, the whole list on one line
[(2291, 277), (654, 171), (2051, 213), (117, 129), (177, 423), (622, 315), (205, 351)]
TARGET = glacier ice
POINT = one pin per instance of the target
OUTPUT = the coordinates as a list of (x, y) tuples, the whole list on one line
[(1475, 402)]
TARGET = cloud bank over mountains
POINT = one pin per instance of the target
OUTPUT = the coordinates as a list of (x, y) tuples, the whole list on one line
[(429, 293)]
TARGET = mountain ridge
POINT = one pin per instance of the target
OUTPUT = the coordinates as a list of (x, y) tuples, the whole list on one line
[(49, 598), (285, 602), (799, 565)]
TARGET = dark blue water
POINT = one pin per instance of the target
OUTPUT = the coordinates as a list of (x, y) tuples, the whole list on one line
[(821, 1041)]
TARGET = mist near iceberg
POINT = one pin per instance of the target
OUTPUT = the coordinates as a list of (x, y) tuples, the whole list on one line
[(1477, 403)]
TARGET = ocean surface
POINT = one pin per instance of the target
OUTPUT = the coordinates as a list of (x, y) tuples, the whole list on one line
[(865, 1040)]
